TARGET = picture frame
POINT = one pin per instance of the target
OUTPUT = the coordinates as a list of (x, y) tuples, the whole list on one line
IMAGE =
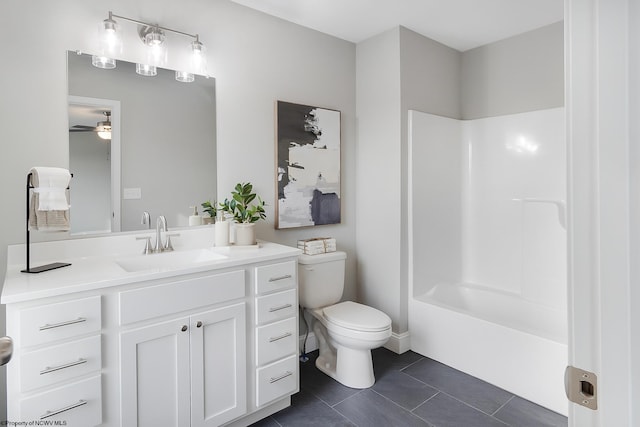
[(308, 156)]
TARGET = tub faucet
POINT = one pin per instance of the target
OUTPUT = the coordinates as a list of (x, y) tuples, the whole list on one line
[(161, 225)]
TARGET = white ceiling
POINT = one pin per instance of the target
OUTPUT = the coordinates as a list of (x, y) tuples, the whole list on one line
[(460, 24)]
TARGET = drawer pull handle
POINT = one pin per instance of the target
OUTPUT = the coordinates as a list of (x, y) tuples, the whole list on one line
[(278, 338), (66, 323), (50, 369), (281, 377), (275, 279), (280, 307), (61, 410)]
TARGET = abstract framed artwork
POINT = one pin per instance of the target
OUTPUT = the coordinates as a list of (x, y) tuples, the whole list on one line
[(308, 165)]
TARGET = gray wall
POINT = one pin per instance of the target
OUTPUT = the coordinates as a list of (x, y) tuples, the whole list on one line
[(256, 60), (515, 75)]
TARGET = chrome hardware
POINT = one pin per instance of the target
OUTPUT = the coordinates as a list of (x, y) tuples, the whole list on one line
[(199, 324), (280, 307), (146, 219), (59, 325), (281, 377), (168, 247), (147, 246), (161, 225), (49, 369), (6, 350), (275, 279), (278, 338), (184, 328), (61, 410)]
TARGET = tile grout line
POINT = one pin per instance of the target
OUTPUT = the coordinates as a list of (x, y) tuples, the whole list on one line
[(474, 408), (503, 405)]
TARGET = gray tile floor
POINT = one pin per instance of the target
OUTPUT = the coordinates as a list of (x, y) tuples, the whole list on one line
[(410, 390)]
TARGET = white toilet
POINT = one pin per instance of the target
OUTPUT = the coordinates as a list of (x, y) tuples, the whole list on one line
[(347, 331)]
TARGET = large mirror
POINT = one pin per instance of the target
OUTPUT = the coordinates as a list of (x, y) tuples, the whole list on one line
[(160, 153)]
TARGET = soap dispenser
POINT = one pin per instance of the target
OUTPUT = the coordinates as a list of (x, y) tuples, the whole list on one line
[(195, 219), (221, 230)]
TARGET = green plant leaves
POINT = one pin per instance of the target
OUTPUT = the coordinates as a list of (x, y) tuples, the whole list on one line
[(240, 204)]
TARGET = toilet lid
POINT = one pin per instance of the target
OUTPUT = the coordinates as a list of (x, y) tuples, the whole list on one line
[(352, 315)]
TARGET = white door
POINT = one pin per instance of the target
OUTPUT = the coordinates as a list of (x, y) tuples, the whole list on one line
[(155, 375), (603, 79), (218, 366)]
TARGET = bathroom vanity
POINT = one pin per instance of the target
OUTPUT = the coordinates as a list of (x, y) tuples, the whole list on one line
[(197, 337)]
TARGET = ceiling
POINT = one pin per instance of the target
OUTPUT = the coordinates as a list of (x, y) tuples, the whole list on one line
[(460, 24)]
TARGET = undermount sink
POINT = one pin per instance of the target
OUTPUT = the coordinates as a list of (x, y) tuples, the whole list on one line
[(169, 260)]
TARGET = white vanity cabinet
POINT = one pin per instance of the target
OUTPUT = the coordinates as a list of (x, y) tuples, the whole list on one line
[(187, 369), (204, 345), (55, 374), (276, 337)]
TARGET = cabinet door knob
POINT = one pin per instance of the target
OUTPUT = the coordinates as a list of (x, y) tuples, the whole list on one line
[(184, 328), (199, 324)]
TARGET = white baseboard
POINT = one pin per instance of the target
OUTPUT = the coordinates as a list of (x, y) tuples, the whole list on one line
[(398, 343)]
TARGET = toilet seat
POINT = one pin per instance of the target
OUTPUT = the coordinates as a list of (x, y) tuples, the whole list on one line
[(358, 317)]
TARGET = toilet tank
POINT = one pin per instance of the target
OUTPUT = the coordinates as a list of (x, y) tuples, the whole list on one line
[(321, 279)]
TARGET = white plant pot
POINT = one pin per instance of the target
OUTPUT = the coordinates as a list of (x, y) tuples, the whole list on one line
[(245, 234)]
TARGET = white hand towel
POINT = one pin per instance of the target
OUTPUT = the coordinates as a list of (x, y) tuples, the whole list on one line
[(49, 209), (51, 185)]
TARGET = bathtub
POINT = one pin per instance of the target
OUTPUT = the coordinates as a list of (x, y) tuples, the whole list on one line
[(496, 336)]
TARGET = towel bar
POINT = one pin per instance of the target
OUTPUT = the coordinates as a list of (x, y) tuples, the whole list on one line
[(45, 267)]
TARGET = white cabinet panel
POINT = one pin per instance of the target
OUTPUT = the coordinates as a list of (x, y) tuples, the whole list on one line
[(154, 375), (54, 322), (276, 340), (218, 365), (276, 306), (277, 380), (162, 300), (74, 405), (59, 363), (274, 277)]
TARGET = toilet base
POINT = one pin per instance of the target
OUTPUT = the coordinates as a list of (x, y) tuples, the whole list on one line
[(350, 367)]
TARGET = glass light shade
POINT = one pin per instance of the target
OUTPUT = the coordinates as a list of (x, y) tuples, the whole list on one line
[(185, 77), (198, 58), (109, 40), (103, 62), (105, 134), (146, 70)]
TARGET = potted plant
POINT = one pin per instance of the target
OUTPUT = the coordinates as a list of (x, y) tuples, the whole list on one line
[(245, 213), (210, 208)]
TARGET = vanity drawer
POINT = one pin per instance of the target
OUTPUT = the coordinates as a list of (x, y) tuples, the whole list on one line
[(276, 340), (276, 276), (54, 322), (59, 363), (277, 380), (155, 301), (276, 306), (77, 404)]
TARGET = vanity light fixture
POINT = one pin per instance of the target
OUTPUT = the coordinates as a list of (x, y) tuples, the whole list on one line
[(153, 36)]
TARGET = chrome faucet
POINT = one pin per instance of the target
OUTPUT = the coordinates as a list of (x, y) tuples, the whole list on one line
[(146, 219), (161, 225)]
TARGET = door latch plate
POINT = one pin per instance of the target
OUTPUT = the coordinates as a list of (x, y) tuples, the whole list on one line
[(581, 387)]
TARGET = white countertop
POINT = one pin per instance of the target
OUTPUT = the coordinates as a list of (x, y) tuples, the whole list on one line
[(94, 266)]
